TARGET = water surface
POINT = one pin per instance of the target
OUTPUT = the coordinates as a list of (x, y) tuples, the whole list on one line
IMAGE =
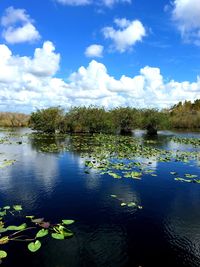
[(166, 232)]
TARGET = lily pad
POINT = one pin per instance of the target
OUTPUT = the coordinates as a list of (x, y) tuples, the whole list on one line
[(2, 230), (16, 228), (132, 204), (3, 213), (4, 240), (67, 222), (17, 207), (6, 207), (3, 254), (41, 233), (30, 216), (58, 236), (34, 246)]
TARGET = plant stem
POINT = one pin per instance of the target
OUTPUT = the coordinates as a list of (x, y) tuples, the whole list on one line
[(29, 228)]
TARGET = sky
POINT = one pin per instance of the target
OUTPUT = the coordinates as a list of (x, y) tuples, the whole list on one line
[(111, 53)]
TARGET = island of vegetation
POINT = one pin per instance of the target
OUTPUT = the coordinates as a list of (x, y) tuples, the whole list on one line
[(93, 119)]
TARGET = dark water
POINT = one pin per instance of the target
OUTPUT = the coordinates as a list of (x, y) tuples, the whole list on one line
[(166, 232)]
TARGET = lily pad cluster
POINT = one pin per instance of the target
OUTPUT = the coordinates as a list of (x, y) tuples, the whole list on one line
[(6, 163), (187, 141), (188, 178), (125, 203), (117, 156), (32, 230)]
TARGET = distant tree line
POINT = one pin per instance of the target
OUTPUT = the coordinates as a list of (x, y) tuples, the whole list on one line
[(92, 119), (12, 119), (186, 115)]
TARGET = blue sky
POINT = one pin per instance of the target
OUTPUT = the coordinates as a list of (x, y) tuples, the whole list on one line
[(104, 52)]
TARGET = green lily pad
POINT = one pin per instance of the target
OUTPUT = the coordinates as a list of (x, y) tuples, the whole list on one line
[(6, 207), (132, 204), (3, 213), (58, 236), (2, 230), (34, 246), (16, 228), (30, 216), (196, 181), (4, 240), (17, 207), (182, 180), (114, 175), (3, 254), (67, 233), (67, 222), (41, 233)]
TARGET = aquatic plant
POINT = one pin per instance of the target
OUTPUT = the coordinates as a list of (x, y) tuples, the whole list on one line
[(128, 204), (31, 231), (6, 163)]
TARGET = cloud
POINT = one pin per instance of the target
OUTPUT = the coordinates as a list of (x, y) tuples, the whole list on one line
[(186, 15), (110, 3), (27, 83), (18, 26), (107, 3), (127, 34), (94, 51), (75, 2)]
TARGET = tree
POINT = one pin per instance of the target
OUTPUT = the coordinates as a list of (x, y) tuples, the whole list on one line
[(154, 120), (47, 120), (125, 119), (89, 119)]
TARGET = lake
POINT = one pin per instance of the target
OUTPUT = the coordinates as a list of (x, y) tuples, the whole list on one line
[(135, 200)]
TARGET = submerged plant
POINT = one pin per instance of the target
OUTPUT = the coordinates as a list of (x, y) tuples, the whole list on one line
[(31, 231)]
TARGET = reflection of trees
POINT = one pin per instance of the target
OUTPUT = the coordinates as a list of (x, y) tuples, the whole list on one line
[(38, 141)]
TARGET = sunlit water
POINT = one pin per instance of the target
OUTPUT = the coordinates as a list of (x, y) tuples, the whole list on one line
[(166, 232)]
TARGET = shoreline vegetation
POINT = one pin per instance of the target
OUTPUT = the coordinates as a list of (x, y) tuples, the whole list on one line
[(12, 119), (94, 119)]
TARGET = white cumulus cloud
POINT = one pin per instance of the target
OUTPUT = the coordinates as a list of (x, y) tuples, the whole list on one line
[(94, 51), (127, 34), (74, 2), (108, 3), (18, 26), (186, 14), (27, 83)]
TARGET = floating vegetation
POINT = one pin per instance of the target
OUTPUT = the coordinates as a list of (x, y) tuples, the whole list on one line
[(51, 148), (187, 180), (128, 204), (115, 155), (5, 140), (134, 175), (6, 163), (187, 141), (31, 231)]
